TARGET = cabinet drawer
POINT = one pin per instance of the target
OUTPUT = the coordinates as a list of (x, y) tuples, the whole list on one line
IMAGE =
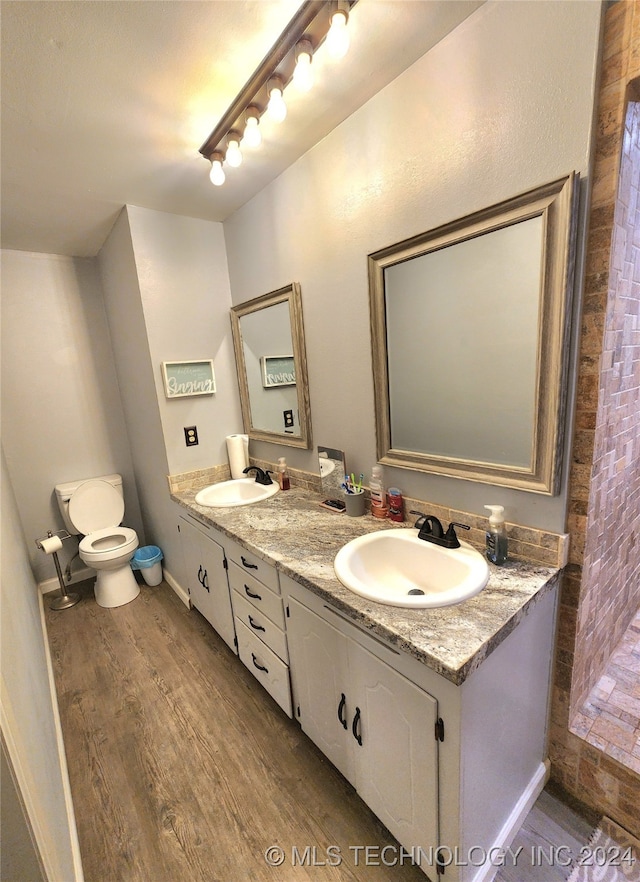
[(265, 666), (257, 593), (253, 565), (261, 626)]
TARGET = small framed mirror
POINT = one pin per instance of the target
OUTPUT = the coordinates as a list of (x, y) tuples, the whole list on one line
[(268, 341), (332, 465), (470, 328)]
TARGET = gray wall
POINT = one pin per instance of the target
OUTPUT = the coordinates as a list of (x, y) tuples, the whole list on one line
[(167, 298), (20, 859), (28, 715), (62, 417), (503, 104)]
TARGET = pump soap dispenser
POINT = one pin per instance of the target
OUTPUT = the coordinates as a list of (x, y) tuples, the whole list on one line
[(496, 535)]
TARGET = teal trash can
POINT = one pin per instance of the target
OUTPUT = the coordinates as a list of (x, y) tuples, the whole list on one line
[(147, 560)]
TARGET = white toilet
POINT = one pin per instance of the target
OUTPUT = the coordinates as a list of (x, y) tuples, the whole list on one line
[(94, 508)]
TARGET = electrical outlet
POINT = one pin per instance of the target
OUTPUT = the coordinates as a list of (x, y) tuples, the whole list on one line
[(191, 436), (288, 419)]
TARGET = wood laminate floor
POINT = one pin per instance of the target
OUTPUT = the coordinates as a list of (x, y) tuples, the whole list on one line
[(184, 770)]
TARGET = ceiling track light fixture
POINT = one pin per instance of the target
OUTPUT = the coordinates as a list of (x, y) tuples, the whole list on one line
[(289, 59)]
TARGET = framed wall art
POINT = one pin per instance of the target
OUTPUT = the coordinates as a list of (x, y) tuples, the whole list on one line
[(278, 370), (185, 378)]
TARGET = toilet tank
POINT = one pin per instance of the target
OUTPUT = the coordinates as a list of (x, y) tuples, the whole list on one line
[(64, 492)]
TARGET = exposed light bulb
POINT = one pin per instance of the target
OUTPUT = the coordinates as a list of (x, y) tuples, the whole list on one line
[(337, 41), (233, 156), (217, 174), (302, 74), (252, 136), (276, 108)]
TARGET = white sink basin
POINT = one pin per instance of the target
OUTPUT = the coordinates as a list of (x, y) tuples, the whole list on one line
[(242, 491), (388, 565), (326, 467)]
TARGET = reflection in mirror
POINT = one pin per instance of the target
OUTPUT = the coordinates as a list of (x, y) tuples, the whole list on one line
[(469, 333), (332, 466), (268, 340)]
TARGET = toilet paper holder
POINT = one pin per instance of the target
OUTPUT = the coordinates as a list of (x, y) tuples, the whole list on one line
[(62, 534), (65, 600)]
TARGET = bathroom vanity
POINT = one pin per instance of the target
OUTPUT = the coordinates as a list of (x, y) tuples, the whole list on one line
[(437, 717)]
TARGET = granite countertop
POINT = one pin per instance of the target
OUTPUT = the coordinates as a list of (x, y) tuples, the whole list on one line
[(292, 531)]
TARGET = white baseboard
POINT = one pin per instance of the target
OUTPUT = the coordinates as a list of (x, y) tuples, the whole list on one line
[(516, 818), (78, 576), (177, 587)]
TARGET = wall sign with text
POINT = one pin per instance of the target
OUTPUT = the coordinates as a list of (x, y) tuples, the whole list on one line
[(278, 370), (183, 378)]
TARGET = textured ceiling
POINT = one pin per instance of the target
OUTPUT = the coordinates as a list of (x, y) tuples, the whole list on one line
[(106, 102)]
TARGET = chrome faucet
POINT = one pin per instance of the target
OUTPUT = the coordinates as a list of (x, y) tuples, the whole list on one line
[(262, 477), (431, 530)]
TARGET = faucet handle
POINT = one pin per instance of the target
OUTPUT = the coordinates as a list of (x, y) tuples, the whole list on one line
[(450, 535), (420, 522)]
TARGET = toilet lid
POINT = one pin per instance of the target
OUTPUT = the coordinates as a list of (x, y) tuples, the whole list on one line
[(94, 506)]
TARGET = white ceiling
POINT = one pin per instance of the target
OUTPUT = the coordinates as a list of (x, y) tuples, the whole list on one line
[(106, 102)]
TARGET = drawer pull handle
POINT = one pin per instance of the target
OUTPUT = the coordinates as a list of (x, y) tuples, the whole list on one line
[(249, 566), (200, 576), (205, 583), (354, 727), (343, 701), (260, 667), (254, 626), (249, 594)]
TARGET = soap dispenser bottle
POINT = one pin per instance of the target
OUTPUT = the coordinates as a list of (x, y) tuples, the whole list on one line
[(496, 535), (283, 477)]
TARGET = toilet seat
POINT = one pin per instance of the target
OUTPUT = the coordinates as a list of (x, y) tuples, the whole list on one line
[(95, 505), (108, 543)]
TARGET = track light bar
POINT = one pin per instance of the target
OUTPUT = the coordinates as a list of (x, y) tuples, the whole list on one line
[(310, 24)]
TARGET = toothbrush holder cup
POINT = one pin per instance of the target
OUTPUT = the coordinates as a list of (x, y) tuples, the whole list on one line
[(354, 503)]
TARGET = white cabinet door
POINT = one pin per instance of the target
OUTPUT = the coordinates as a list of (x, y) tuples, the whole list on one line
[(207, 580), (319, 672), (396, 749), (376, 726)]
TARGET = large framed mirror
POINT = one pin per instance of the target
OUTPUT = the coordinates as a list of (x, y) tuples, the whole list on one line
[(470, 326), (268, 341)]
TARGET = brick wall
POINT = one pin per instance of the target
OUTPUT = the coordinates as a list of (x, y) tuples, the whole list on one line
[(610, 591), (604, 522)]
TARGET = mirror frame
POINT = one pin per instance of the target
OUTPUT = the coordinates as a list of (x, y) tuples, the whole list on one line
[(289, 294), (557, 203)]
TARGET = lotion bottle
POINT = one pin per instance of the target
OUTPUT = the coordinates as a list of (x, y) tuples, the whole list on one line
[(496, 535), (378, 495)]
